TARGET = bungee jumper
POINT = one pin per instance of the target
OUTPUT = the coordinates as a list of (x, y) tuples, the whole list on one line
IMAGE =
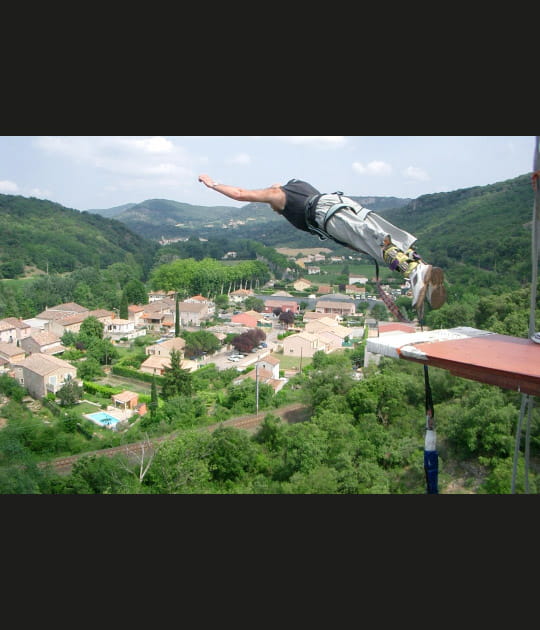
[(345, 221)]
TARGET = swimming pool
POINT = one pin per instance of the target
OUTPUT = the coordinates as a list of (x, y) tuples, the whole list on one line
[(102, 418)]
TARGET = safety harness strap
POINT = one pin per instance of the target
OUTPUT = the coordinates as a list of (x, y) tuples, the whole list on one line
[(431, 457)]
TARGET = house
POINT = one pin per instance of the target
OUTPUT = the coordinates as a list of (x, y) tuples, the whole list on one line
[(353, 279), (156, 364), (15, 328), (72, 323), (8, 332), (36, 323), (329, 330), (304, 344), (45, 342), (126, 404), (324, 289), (335, 306), (322, 323), (164, 348), (270, 363), (335, 336), (135, 313), (272, 303), (200, 299), (119, 328), (125, 400), (160, 314), (67, 308), (302, 284), (42, 373), (156, 296), (312, 269), (354, 290), (192, 314), (159, 357), (310, 316), (59, 312), (245, 320), (240, 295), (266, 371), (11, 353)]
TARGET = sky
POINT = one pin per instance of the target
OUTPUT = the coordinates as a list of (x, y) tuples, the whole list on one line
[(100, 172)]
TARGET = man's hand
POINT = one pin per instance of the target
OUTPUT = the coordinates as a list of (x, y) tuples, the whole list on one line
[(207, 180)]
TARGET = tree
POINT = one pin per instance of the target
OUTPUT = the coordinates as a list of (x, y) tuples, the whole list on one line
[(102, 350), (89, 369), (254, 304), (176, 316), (286, 318), (91, 329), (153, 397), (221, 301), (69, 393), (180, 465), (199, 342), (176, 380), (379, 312), (232, 454), (136, 292), (248, 340), (123, 310)]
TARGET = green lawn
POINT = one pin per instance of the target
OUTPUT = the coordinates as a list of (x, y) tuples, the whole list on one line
[(330, 273), (291, 363)]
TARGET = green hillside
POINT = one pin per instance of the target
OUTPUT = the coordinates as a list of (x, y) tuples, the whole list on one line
[(157, 218), (40, 233), (488, 227)]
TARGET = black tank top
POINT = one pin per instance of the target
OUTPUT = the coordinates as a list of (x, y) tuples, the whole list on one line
[(297, 192)]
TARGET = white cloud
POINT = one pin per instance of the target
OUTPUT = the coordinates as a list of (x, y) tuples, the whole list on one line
[(376, 167), (7, 187), (323, 142), (416, 173), (157, 144), (239, 158), (130, 156)]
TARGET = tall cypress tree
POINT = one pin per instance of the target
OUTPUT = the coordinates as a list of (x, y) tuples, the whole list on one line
[(123, 311), (176, 380), (153, 397), (177, 319)]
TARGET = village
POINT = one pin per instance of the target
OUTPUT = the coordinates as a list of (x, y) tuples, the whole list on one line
[(31, 349)]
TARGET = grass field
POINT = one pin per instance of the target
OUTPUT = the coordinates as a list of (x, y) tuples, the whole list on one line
[(332, 273), (291, 363)]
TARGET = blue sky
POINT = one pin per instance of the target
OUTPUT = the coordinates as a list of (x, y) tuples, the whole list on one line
[(98, 172)]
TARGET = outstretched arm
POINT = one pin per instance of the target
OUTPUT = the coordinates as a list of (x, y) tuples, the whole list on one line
[(273, 195)]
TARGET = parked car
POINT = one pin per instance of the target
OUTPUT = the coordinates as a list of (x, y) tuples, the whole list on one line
[(234, 359)]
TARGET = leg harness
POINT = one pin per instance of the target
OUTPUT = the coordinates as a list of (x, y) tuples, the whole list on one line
[(311, 205)]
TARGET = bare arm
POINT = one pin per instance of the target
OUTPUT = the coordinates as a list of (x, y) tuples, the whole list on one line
[(273, 195)]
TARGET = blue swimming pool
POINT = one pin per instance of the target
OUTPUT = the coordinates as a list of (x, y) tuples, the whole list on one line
[(102, 418)]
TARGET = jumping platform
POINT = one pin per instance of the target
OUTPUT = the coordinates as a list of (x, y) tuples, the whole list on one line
[(480, 355)]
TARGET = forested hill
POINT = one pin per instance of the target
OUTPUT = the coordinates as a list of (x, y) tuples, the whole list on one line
[(488, 227), (40, 233), (157, 218)]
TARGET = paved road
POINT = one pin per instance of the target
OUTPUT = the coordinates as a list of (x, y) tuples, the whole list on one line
[(295, 412)]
